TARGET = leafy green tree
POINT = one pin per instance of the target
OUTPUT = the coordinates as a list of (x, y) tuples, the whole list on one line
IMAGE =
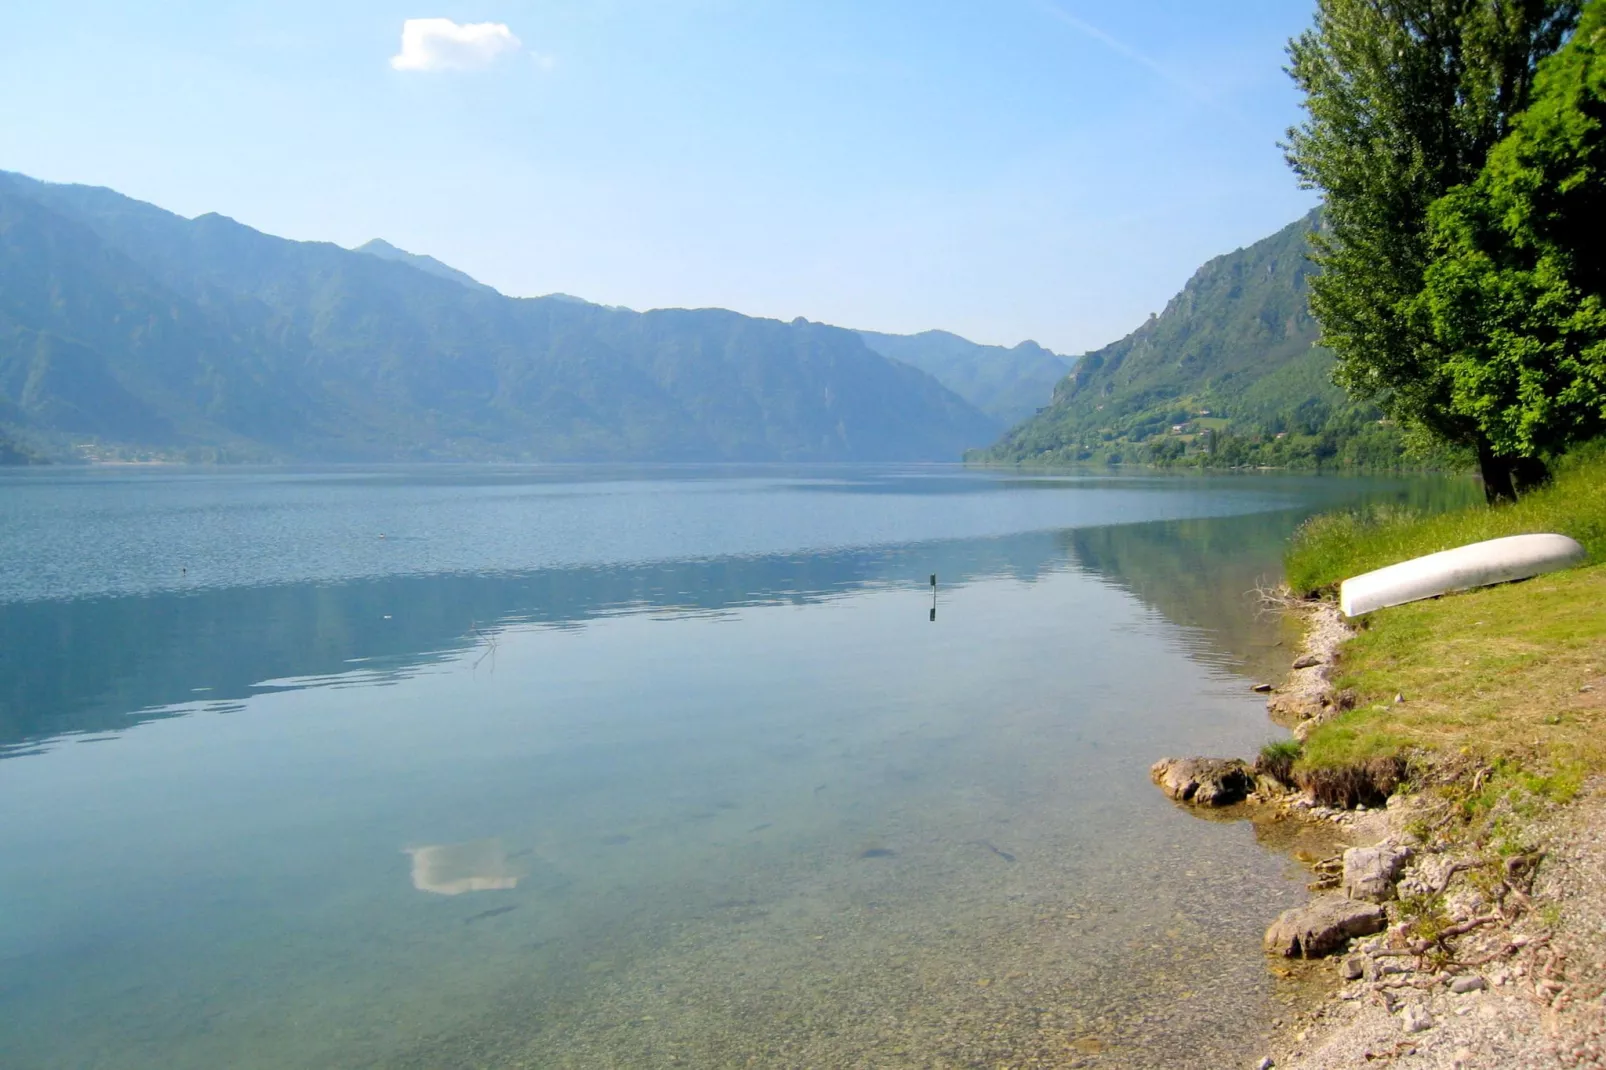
[(1404, 101), (1514, 294)]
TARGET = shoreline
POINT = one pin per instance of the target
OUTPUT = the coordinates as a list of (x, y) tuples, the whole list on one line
[(1476, 964)]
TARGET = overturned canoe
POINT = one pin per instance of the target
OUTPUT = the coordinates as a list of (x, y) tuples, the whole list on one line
[(1477, 565)]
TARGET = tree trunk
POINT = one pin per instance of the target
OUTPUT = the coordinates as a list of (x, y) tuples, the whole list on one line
[(1498, 488), (1506, 477), (1529, 473)]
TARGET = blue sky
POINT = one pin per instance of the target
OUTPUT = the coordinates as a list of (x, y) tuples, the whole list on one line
[(1008, 169)]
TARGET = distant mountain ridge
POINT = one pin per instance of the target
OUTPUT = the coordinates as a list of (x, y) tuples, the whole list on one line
[(123, 323), (385, 251), (1229, 372), (1009, 384)]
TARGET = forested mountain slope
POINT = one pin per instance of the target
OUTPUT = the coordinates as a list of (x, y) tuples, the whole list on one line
[(1228, 373)]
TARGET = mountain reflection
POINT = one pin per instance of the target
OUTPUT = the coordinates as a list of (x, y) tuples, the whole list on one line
[(100, 665), (90, 666), (1203, 574)]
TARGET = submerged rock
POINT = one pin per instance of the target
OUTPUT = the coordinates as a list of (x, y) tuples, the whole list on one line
[(1323, 926), (1370, 872), (1204, 781)]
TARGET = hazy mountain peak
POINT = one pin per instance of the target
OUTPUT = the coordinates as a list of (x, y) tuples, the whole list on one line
[(382, 249), (570, 299), (1007, 384)]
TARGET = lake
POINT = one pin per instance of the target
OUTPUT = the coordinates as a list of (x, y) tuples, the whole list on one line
[(634, 767)]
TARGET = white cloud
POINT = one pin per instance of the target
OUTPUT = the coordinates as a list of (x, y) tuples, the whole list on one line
[(443, 45)]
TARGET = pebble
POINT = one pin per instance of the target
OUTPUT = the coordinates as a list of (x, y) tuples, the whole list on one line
[(1265, 1064), (1467, 983), (1416, 1019)]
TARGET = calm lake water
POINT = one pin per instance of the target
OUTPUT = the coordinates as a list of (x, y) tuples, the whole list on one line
[(575, 767)]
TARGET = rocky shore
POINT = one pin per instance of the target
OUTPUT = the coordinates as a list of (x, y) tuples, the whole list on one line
[(1443, 953), (1477, 964)]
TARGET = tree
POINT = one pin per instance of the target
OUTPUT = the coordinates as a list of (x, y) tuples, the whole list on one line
[(1404, 101), (1514, 294)]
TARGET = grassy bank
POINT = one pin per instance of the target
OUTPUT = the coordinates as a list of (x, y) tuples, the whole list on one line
[(1510, 679), (1334, 546)]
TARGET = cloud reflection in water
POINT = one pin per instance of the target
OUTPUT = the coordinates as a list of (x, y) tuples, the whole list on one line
[(455, 868)]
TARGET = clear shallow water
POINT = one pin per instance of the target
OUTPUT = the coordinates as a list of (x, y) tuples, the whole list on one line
[(631, 768)]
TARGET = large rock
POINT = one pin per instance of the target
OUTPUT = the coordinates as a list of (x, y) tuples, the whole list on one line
[(1323, 925), (1204, 781), (1370, 872)]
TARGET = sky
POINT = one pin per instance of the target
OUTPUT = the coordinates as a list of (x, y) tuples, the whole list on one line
[(1003, 169)]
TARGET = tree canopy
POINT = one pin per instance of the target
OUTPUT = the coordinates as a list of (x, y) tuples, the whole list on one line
[(1405, 99), (1513, 294)]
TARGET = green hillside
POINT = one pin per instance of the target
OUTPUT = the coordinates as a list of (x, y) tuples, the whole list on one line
[(1229, 374), (14, 453), (125, 325), (1008, 384)]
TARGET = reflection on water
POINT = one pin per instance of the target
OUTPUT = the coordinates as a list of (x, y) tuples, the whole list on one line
[(95, 664), (1206, 574), (755, 809), (455, 868)]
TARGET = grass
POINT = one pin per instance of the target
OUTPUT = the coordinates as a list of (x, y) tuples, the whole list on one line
[(1496, 672), (1277, 759), (1510, 680), (1335, 546)]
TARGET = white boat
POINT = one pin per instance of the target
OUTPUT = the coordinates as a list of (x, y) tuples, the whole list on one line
[(1478, 565)]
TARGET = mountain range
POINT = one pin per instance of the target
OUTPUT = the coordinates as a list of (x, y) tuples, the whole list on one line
[(127, 326), (1008, 384), (126, 330)]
